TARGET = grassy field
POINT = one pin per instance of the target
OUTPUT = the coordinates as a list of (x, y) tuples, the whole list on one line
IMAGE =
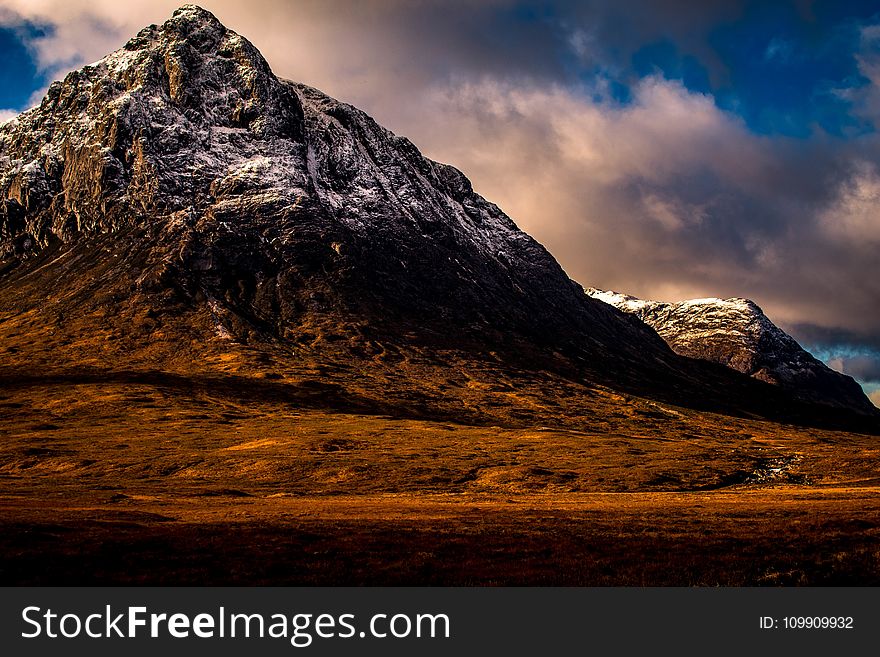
[(166, 483), (776, 536)]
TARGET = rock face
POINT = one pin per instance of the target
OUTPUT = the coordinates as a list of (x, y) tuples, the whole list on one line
[(736, 333), (178, 193)]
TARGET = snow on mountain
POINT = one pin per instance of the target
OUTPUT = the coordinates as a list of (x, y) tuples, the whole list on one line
[(188, 118), (736, 333)]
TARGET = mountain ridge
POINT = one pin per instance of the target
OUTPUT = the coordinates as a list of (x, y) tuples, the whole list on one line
[(179, 199)]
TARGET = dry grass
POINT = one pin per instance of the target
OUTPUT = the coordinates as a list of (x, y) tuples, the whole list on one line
[(184, 481)]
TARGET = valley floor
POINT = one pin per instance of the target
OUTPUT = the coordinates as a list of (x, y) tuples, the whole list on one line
[(137, 483)]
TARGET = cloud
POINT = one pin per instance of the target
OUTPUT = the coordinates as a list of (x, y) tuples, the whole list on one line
[(864, 367), (866, 98), (581, 171), (778, 49), (828, 342), (860, 362), (374, 45), (34, 100), (875, 398), (80, 32), (666, 196), (853, 215)]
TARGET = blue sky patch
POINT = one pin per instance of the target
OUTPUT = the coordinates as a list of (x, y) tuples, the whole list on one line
[(19, 76)]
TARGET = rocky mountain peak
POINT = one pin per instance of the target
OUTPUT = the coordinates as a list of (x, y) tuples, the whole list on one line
[(736, 333), (266, 198), (197, 57), (189, 18), (146, 131)]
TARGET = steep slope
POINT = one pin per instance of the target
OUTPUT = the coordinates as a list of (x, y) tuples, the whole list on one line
[(736, 333), (176, 207)]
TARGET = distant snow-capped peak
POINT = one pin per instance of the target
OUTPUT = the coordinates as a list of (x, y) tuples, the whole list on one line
[(736, 333)]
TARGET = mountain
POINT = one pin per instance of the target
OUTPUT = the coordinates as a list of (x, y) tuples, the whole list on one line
[(268, 198), (177, 208), (736, 333)]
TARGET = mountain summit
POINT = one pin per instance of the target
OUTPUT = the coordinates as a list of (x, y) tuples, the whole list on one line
[(268, 196), (736, 333), (175, 206)]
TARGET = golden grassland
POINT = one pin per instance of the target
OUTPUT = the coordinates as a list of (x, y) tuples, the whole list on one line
[(178, 481)]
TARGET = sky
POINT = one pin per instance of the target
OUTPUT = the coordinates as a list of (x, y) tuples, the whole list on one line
[(666, 149)]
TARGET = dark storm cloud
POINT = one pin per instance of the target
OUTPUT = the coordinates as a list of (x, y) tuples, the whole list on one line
[(864, 368), (825, 337), (854, 353)]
